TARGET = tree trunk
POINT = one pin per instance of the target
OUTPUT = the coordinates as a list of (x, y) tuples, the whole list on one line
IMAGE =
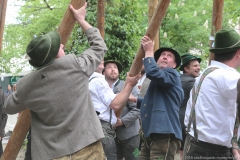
[(18, 135), (217, 12), (3, 8), (151, 33), (101, 16), (67, 24)]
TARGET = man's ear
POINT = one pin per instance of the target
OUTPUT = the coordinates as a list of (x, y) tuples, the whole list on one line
[(185, 69), (174, 65), (238, 53)]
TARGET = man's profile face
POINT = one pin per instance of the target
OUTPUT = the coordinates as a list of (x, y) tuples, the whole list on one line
[(193, 69), (111, 71), (166, 60)]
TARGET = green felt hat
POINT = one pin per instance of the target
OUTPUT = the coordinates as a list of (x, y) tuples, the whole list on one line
[(119, 65), (43, 49), (226, 40), (186, 58), (176, 54)]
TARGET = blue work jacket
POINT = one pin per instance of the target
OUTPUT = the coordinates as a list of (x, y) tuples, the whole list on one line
[(160, 106)]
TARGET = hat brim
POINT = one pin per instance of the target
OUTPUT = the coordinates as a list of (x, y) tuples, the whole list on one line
[(56, 41), (223, 50), (116, 62), (176, 54), (181, 68)]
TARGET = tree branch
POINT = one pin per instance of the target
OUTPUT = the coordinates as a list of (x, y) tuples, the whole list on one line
[(47, 4)]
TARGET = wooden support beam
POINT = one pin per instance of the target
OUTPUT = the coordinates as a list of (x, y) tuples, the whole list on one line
[(152, 5), (101, 16), (18, 135), (3, 8), (23, 124), (217, 14), (67, 24), (151, 32)]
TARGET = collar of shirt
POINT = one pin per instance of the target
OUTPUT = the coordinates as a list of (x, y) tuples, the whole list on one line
[(219, 65), (96, 74), (113, 85)]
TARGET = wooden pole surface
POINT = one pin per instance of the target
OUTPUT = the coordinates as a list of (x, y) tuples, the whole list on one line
[(67, 24), (152, 5), (18, 135), (3, 8), (151, 32), (217, 14), (101, 16), (20, 131)]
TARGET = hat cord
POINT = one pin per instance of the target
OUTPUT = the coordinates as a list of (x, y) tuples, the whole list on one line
[(48, 49), (234, 44)]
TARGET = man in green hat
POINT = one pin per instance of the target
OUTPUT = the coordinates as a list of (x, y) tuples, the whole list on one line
[(127, 126), (105, 102), (162, 133), (191, 68), (211, 109), (64, 124)]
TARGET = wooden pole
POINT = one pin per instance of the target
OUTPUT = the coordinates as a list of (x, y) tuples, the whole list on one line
[(66, 26), (18, 135), (151, 32), (152, 5), (23, 124), (217, 12), (3, 8), (101, 16)]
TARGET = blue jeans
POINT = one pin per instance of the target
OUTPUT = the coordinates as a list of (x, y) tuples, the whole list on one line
[(128, 148), (194, 149), (108, 142)]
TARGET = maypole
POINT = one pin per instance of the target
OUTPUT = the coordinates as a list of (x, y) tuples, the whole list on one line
[(3, 8), (152, 6), (101, 16), (217, 12)]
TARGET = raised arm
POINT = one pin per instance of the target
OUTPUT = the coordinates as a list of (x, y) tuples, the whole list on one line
[(79, 15)]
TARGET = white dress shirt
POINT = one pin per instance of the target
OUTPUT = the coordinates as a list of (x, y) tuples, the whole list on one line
[(140, 81), (102, 96), (216, 105)]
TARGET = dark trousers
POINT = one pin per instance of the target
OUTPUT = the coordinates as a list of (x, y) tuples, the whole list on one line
[(28, 155), (1, 148), (160, 146), (184, 135), (128, 149), (194, 149), (108, 142)]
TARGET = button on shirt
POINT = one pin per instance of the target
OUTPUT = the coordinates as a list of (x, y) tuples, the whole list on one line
[(215, 106), (102, 96)]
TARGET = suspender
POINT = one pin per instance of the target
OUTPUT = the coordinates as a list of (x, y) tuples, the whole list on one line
[(192, 118), (114, 93)]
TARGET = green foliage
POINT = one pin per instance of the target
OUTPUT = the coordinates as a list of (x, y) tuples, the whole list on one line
[(186, 27), (123, 32)]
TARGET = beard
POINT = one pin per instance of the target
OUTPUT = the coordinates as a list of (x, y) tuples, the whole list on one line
[(112, 77)]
